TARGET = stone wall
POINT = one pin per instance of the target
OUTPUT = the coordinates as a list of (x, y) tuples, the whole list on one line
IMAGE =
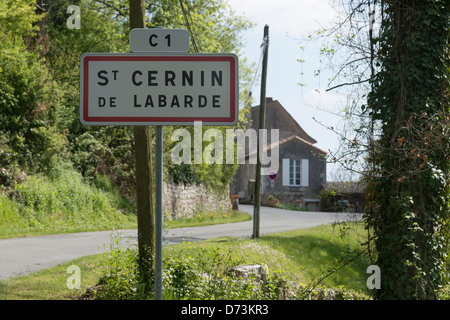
[(181, 200)]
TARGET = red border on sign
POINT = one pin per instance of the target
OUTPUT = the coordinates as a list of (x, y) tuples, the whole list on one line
[(230, 119), (273, 175)]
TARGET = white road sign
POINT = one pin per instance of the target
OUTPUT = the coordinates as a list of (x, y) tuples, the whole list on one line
[(159, 40), (149, 89)]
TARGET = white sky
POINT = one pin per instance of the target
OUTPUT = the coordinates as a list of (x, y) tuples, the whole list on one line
[(289, 20)]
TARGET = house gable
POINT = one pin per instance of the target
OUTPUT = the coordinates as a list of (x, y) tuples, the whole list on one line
[(301, 165), (276, 118), (312, 163)]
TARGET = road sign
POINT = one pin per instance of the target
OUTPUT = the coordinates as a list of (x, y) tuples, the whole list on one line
[(159, 40), (273, 175), (151, 89)]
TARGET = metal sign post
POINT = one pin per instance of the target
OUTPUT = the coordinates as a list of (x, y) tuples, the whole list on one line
[(147, 40), (159, 215)]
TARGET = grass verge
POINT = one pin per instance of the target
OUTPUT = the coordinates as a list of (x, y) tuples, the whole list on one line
[(66, 203), (60, 204), (291, 207), (301, 256), (207, 218)]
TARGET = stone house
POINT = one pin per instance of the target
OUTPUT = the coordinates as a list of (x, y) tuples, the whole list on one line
[(301, 169)]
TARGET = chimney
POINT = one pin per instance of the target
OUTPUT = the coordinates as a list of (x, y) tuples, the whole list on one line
[(269, 99)]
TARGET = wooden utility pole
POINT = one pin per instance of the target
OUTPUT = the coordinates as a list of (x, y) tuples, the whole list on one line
[(262, 121), (144, 180)]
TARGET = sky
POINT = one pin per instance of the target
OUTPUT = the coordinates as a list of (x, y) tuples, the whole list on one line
[(290, 21)]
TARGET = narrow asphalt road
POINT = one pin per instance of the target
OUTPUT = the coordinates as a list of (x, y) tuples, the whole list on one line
[(21, 256)]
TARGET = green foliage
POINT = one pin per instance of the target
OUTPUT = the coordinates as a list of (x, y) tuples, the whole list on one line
[(28, 95), (292, 207), (279, 252), (217, 175), (409, 192), (206, 277), (39, 102), (9, 164), (10, 219), (191, 279), (119, 279), (206, 218), (402, 133), (324, 293), (62, 203), (104, 28), (216, 29), (106, 151), (203, 270), (215, 25), (17, 21), (92, 150)]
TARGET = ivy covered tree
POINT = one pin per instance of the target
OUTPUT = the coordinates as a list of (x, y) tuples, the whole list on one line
[(410, 100), (393, 64)]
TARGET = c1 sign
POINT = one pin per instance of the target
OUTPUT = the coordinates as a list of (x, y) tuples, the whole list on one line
[(149, 89), (159, 40)]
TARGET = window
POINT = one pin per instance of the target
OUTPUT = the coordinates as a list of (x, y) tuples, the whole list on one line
[(295, 172)]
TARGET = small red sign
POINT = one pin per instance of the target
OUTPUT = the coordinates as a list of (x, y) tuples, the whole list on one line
[(273, 175)]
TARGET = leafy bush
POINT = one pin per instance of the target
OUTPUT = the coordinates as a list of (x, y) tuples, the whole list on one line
[(324, 293), (10, 221), (63, 202), (118, 279), (9, 165), (28, 95), (206, 277)]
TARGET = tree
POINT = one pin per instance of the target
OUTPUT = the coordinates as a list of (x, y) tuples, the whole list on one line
[(395, 68), (108, 150), (91, 150), (105, 28), (214, 28), (144, 177), (410, 99), (29, 97)]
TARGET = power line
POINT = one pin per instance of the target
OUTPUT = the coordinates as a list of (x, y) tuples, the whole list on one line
[(264, 44), (187, 15), (193, 29), (249, 93)]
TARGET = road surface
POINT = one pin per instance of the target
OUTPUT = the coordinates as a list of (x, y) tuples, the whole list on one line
[(21, 256)]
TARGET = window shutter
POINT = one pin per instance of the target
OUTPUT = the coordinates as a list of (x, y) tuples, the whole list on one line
[(285, 169), (305, 173)]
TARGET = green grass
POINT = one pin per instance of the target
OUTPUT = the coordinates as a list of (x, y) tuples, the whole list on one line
[(51, 284), (207, 218), (66, 203), (291, 207), (318, 249), (61, 204), (302, 256)]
